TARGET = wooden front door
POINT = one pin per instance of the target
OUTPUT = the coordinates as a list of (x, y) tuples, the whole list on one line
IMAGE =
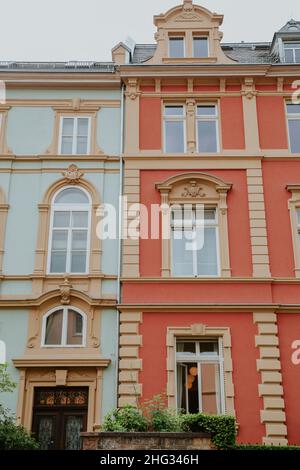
[(60, 415)]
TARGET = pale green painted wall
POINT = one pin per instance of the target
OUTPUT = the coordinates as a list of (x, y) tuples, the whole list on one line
[(13, 331), (29, 130), (22, 223), (15, 287), (109, 334), (108, 130), (63, 94)]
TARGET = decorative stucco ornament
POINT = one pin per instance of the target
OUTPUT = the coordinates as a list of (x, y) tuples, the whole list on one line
[(193, 190), (73, 174)]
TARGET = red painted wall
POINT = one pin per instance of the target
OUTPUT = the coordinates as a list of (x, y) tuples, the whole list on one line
[(277, 214), (176, 88), (211, 292), (289, 331), (272, 122), (244, 355), (150, 123), (206, 87), (232, 119), (233, 87), (238, 221)]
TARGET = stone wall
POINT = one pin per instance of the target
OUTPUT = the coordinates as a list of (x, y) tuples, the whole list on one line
[(146, 441)]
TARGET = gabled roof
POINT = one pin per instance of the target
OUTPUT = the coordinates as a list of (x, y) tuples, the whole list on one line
[(292, 26)]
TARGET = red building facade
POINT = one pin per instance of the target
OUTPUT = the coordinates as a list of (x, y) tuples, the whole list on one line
[(217, 330)]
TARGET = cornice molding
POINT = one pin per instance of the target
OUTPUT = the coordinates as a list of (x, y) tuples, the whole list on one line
[(54, 362), (216, 308)]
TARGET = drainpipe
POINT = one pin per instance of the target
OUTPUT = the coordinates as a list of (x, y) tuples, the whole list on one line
[(119, 289)]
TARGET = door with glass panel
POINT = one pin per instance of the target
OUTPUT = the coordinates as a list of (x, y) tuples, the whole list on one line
[(200, 376), (60, 416)]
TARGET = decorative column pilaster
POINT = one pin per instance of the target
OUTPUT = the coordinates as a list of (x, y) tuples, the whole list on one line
[(132, 117), (166, 234), (250, 116), (258, 224), (190, 125), (3, 219), (130, 364), (270, 389), (223, 223)]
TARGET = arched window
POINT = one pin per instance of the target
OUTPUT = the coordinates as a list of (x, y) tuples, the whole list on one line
[(64, 327), (69, 241)]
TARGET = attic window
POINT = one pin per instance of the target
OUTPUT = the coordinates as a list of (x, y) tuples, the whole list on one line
[(200, 47), (292, 52), (176, 47)]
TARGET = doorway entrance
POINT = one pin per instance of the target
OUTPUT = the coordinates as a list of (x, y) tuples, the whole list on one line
[(59, 416)]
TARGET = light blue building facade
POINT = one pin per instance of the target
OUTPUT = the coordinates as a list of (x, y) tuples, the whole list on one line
[(60, 137)]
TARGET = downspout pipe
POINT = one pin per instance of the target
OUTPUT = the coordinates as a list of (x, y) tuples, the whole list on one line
[(119, 287)]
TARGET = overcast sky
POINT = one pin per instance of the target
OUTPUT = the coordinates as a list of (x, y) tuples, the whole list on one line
[(49, 30)]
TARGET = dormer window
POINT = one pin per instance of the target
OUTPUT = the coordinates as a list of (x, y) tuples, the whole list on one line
[(176, 47), (200, 47), (292, 52)]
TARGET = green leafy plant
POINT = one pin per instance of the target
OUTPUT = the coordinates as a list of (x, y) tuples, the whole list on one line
[(12, 437), (6, 384), (159, 417), (127, 419), (220, 428), (262, 447)]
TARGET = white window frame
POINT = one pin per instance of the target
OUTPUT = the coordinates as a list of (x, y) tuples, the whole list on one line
[(175, 118), (201, 358), (179, 36), (64, 344), (294, 117), (208, 224), (208, 50), (75, 128), (285, 48), (215, 118), (56, 207)]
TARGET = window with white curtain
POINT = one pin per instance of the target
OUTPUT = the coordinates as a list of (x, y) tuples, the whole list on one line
[(75, 135), (70, 232), (293, 118), (195, 242), (174, 128), (64, 327), (207, 128), (200, 376)]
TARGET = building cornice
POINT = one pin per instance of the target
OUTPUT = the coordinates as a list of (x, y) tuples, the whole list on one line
[(203, 307), (209, 70), (56, 362)]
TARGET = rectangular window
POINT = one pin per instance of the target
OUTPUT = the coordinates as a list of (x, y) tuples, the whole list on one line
[(293, 117), (176, 47), (200, 46), (69, 242), (174, 129), (200, 376), (207, 129), (75, 136), (195, 245), (292, 52)]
